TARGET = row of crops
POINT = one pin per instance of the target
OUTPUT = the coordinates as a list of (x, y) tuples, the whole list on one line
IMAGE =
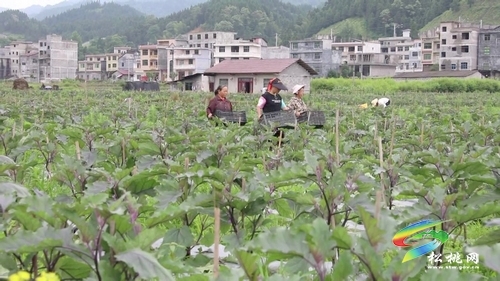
[(108, 186)]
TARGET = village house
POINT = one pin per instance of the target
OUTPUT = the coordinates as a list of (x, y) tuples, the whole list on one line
[(250, 76), (489, 52)]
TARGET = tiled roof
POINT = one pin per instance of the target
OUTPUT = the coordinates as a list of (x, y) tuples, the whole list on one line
[(256, 66), (436, 74)]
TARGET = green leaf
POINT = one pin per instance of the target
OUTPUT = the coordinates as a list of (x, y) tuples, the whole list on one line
[(488, 254), (73, 268), (343, 267), (181, 236), (44, 238), (342, 237), (373, 232), (10, 187), (145, 265)]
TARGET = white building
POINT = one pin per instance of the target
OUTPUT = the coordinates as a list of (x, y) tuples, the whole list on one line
[(412, 60), (239, 49), (58, 58)]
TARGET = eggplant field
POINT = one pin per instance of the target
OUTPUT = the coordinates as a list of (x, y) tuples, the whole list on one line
[(105, 185)]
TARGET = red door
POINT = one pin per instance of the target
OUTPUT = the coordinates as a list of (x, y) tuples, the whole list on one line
[(245, 85)]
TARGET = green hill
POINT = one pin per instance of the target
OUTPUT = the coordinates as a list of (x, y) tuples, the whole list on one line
[(469, 11), (352, 28)]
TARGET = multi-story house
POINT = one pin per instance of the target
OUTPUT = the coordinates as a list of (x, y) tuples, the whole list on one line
[(317, 53), (149, 60), (57, 58), (207, 39), (458, 46), (363, 55), (166, 56), (112, 59), (190, 60), (17, 49), (430, 49), (93, 67), (395, 49), (129, 66), (412, 60), (239, 49), (29, 65), (489, 52), (5, 70)]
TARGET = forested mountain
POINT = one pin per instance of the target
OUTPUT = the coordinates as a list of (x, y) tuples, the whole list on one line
[(158, 8), (111, 24)]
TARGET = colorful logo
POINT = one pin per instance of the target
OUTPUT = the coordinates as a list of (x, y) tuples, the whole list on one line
[(415, 232)]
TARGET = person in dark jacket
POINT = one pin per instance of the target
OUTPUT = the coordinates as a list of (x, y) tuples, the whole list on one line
[(219, 102), (271, 101)]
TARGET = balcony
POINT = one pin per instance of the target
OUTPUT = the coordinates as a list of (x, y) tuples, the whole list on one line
[(185, 66)]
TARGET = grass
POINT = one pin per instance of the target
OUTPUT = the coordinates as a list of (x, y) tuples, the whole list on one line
[(356, 27), (486, 10)]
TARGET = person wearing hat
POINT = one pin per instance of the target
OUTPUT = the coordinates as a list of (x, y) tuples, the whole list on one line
[(381, 102), (271, 101), (297, 103)]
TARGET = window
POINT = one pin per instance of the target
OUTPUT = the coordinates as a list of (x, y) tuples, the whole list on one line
[(246, 58), (444, 29), (198, 36), (206, 35), (465, 36), (407, 48), (384, 50), (233, 58), (295, 46), (235, 49), (223, 82), (191, 37), (295, 56), (351, 49), (215, 35), (393, 49), (427, 57), (206, 45), (114, 64), (352, 57), (407, 57), (144, 52), (317, 45), (222, 49), (464, 65), (487, 37), (317, 56), (198, 45), (360, 48), (454, 37), (443, 41), (246, 49), (443, 54), (266, 81), (414, 54), (145, 62), (400, 49), (341, 49), (190, 61), (187, 52), (453, 66), (188, 86), (454, 48), (196, 52), (464, 49), (443, 67)]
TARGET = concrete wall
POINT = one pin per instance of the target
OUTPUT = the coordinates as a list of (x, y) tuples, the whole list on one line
[(296, 74), (489, 50)]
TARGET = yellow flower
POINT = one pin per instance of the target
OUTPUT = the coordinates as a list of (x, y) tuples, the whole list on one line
[(20, 276), (48, 276)]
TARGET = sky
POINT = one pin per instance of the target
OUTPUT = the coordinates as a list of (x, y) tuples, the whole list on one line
[(21, 4)]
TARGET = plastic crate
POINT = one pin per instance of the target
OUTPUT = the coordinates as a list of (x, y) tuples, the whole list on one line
[(312, 118), (280, 119), (232, 116)]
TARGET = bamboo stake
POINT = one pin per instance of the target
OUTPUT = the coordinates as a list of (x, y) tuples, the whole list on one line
[(381, 159), (78, 154), (422, 133), (279, 139), (337, 139), (14, 130), (393, 133)]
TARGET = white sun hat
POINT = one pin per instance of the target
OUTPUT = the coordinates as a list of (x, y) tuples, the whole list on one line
[(297, 88)]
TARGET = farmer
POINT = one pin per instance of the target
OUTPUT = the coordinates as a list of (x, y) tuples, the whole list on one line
[(219, 102), (297, 103), (271, 101), (381, 102)]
